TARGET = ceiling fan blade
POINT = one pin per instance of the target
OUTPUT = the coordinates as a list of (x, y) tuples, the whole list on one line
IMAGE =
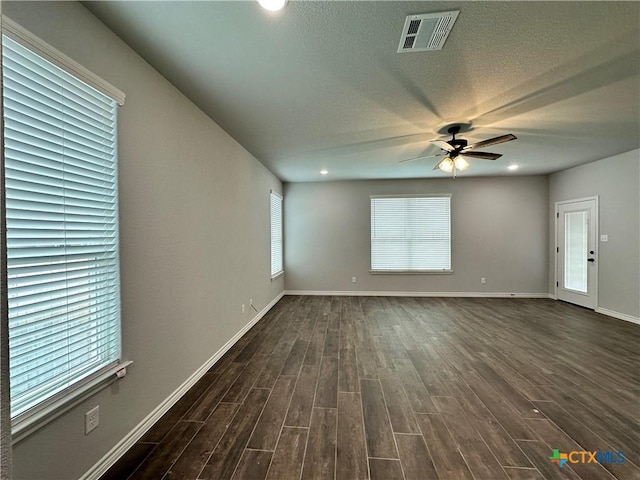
[(420, 158), (491, 141), (484, 155), (443, 145)]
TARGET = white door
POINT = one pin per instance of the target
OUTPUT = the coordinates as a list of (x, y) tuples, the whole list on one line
[(577, 230)]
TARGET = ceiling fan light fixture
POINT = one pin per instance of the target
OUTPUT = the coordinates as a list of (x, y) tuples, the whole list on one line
[(446, 165), (513, 167), (457, 150), (272, 5), (460, 163)]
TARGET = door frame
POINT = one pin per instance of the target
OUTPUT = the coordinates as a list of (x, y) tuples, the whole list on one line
[(556, 215)]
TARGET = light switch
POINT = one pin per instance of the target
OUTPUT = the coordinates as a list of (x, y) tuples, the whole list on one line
[(604, 238)]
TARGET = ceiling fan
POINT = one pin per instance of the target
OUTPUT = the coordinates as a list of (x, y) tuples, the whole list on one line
[(456, 149)]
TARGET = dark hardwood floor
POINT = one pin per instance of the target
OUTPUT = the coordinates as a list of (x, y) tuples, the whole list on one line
[(387, 388)]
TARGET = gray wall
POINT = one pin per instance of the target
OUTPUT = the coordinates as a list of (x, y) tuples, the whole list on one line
[(499, 231), (616, 181), (194, 219)]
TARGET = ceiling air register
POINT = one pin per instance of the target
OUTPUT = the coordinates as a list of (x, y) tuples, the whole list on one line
[(425, 32)]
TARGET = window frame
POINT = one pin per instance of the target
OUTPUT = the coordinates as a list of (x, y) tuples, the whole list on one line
[(405, 271), (79, 389), (280, 238)]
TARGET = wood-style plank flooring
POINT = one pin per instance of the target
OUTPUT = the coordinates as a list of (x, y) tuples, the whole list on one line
[(387, 388)]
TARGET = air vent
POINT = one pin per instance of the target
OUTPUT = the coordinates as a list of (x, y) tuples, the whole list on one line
[(426, 32)]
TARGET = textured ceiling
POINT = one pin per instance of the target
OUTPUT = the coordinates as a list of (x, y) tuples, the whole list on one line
[(320, 85)]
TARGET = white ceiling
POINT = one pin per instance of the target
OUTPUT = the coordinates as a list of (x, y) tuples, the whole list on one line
[(320, 85)]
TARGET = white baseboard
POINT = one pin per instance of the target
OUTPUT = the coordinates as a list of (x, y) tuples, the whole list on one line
[(95, 472), (417, 294), (621, 316), (553, 296)]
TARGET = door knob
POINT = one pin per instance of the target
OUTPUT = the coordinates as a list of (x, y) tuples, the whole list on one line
[(591, 259)]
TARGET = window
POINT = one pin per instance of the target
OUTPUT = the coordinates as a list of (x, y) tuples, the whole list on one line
[(276, 234), (62, 230), (410, 233)]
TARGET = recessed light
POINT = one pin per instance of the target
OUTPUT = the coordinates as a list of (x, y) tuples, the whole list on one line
[(272, 5), (513, 167), (324, 172)]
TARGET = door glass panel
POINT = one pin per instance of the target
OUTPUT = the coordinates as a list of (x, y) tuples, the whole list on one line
[(575, 248)]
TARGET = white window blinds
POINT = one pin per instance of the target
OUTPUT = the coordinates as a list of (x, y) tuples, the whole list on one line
[(410, 233), (276, 234), (62, 229)]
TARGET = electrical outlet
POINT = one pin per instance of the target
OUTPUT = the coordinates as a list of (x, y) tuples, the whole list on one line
[(91, 420), (483, 280), (354, 279), (242, 308)]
